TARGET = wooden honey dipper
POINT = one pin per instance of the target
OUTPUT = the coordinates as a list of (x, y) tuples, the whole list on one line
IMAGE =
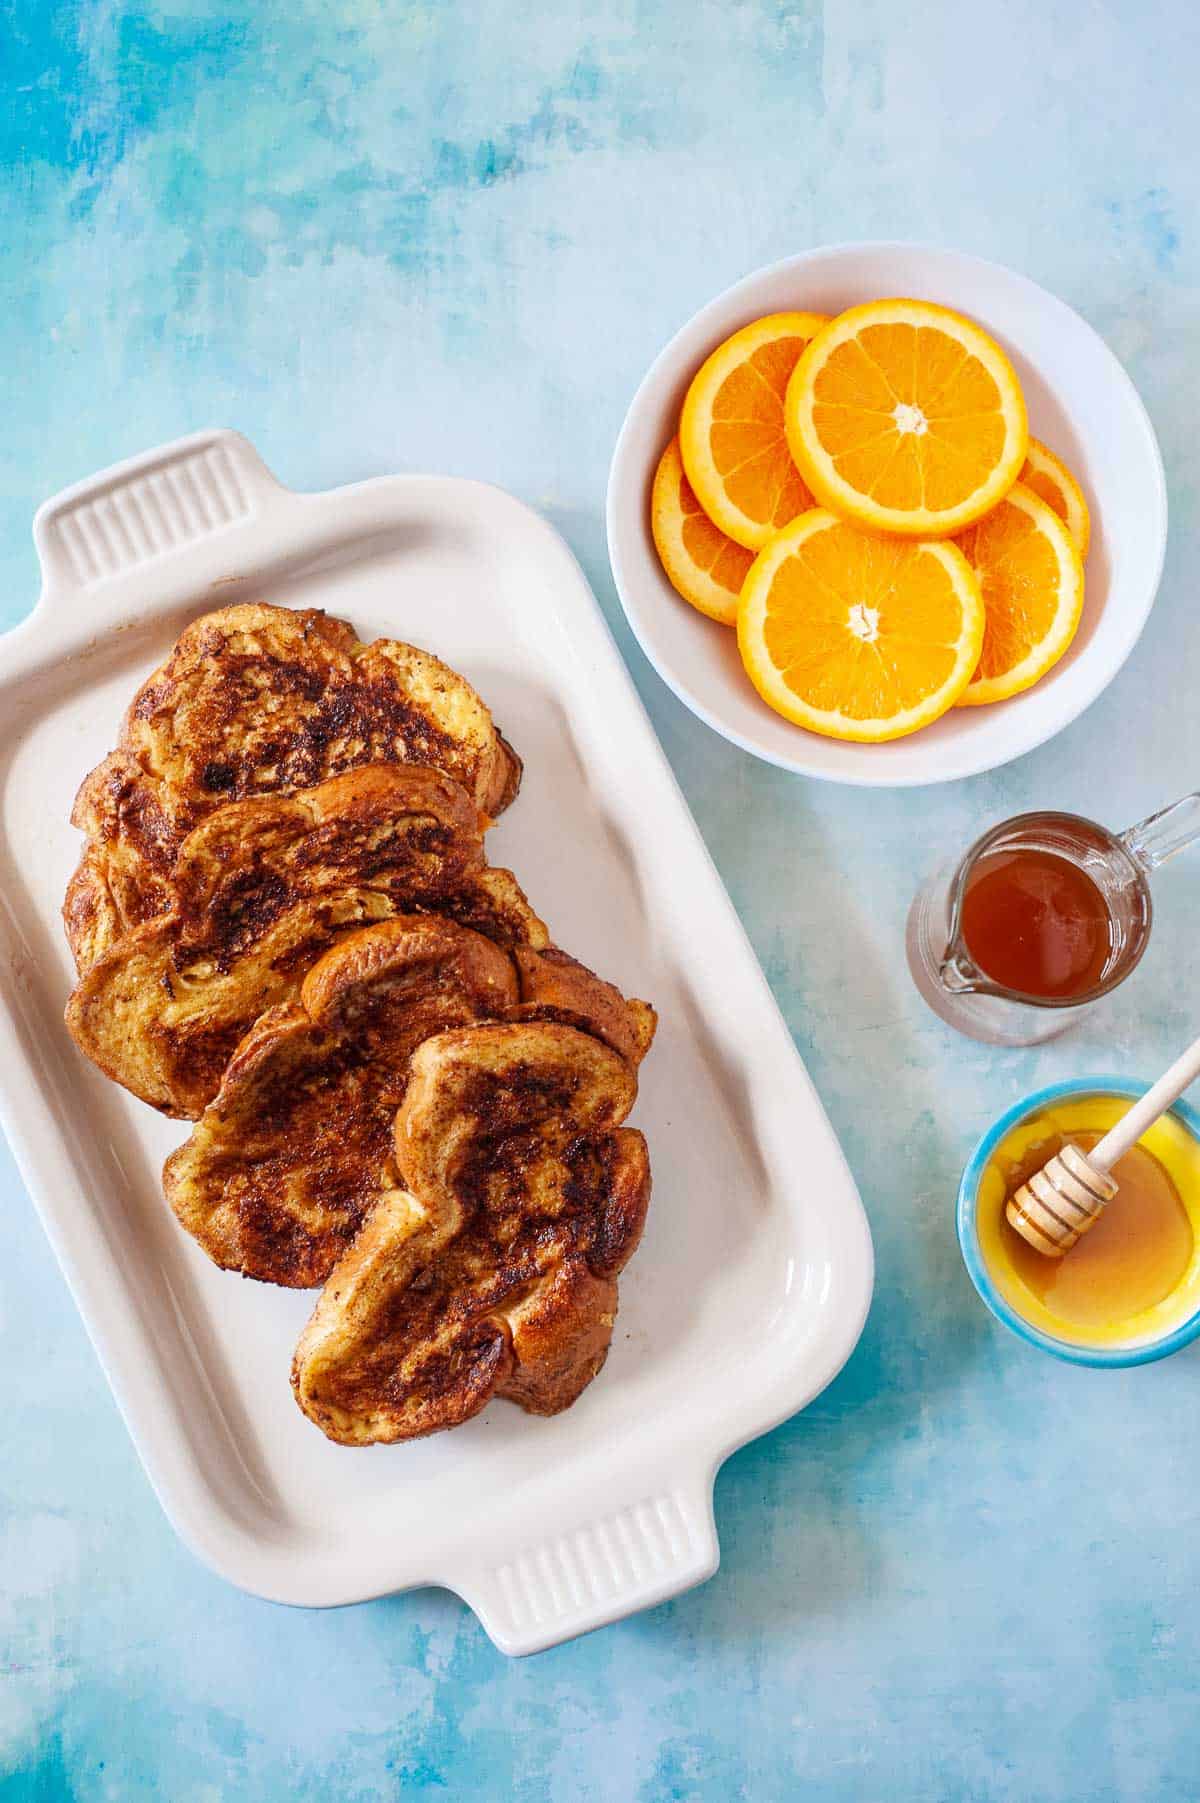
[(1057, 1205)]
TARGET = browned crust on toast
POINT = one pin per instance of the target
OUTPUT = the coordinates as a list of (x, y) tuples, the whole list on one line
[(264, 888), (256, 700), (295, 1149), (287, 930), (493, 1272), (555, 986)]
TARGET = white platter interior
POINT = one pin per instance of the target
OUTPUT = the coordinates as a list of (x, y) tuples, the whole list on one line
[(754, 1276)]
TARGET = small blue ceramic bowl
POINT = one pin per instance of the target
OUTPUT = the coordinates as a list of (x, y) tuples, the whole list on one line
[(1143, 1352)]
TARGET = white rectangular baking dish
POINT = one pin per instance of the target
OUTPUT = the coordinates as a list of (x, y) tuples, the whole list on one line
[(754, 1277)]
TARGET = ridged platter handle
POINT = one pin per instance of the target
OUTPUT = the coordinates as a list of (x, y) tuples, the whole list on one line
[(611, 1562), (150, 509)]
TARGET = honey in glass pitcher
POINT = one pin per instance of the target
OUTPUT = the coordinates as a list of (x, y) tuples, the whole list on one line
[(1035, 922), (1044, 915)]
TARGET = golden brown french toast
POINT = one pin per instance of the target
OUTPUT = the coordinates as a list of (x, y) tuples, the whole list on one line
[(287, 930), (492, 1272), (123, 877), (262, 888), (255, 700), (296, 1148), (555, 986), (287, 1161)]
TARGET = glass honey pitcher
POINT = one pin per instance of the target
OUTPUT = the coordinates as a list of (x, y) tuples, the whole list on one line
[(1045, 914)]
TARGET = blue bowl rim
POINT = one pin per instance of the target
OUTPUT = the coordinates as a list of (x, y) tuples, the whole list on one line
[(1111, 1357)]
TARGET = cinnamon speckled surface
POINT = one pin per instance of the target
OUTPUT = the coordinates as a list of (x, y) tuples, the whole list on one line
[(449, 237)]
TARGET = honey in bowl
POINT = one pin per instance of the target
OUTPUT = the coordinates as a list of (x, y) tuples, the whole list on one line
[(1136, 1274)]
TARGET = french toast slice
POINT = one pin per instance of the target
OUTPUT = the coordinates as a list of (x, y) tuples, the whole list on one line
[(263, 888), (255, 699), (410, 831), (295, 1149), (493, 1271), (123, 878), (555, 986)]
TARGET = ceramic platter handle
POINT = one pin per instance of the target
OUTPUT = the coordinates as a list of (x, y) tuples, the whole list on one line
[(142, 514), (614, 1560)]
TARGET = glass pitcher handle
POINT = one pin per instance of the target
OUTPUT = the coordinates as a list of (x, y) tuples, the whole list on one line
[(1153, 840)]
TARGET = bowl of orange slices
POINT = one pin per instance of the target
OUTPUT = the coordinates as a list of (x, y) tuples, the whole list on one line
[(887, 514)]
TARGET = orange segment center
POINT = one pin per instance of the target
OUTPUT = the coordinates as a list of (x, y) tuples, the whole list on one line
[(866, 628), (908, 416)]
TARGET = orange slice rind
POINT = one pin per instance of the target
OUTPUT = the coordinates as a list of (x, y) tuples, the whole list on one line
[(906, 417), (855, 636), (1031, 577), (732, 435), (1051, 480), (701, 563)]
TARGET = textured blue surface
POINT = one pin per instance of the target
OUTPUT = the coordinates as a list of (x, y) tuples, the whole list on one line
[(383, 236)]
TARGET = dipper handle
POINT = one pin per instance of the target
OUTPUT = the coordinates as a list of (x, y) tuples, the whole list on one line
[(1145, 1112)]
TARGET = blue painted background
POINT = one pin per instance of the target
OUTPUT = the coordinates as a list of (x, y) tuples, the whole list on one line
[(390, 236)]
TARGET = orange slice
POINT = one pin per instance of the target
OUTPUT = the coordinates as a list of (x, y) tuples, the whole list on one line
[(1050, 479), (731, 431), (905, 417), (859, 637), (706, 568), (1031, 578)]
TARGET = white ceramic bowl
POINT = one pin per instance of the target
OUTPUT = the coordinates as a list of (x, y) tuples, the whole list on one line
[(1081, 403)]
